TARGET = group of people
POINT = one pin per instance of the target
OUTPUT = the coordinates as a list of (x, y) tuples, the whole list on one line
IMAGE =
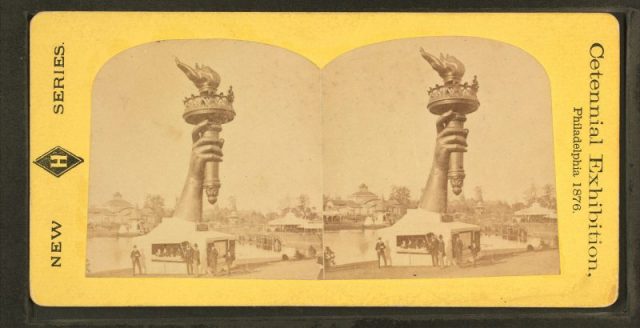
[(169, 251), (212, 260), (193, 260), (188, 253), (191, 256), (458, 250), (436, 247)]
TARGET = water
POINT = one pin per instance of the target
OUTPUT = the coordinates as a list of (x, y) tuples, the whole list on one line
[(109, 253), (352, 246)]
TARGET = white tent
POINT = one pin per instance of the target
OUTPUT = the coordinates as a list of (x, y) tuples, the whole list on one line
[(311, 225), (289, 221), (418, 222), (535, 211), (421, 222), (176, 231), (330, 212)]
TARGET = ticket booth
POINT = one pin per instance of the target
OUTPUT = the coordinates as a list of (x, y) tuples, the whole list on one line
[(410, 238), (164, 246)]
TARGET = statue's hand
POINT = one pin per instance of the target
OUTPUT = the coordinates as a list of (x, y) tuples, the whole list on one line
[(204, 149), (448, 140)]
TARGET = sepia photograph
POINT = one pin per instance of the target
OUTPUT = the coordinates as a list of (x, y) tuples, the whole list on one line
[(205, 162), (438, 162), (412, 158)]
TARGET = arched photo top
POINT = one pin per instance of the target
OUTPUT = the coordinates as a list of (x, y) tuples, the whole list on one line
[(436, 45), (380, 93), (138, 103), (225, 46)]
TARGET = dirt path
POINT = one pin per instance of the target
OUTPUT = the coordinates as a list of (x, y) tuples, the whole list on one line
[(531, 263)]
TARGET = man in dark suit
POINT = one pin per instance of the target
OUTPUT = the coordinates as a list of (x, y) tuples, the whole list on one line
[(188, 258), (380, 247), (213, 260), (135, 260)]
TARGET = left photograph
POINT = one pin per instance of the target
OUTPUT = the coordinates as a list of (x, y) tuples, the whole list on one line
[(204, 160)]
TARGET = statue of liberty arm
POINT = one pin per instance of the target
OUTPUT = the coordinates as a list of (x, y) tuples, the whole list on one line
[(451, 102), (207, 111), (204, 149), (448, 140)]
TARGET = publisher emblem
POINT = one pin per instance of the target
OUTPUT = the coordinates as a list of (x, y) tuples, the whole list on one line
[(58, 161)]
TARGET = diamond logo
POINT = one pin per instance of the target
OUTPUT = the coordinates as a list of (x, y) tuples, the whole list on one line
[(58, 161)]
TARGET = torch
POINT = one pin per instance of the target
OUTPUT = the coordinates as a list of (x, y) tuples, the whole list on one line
[(211, 106), (460, 98)]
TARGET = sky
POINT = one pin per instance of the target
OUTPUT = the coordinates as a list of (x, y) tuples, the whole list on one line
[(141, 145), (378, 131), (302, 130)]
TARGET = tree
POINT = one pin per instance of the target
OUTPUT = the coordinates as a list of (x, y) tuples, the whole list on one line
[(548, 197), (303, 208), (284, 204), (400, 194), (478, 194), (517, 206), (531, 195), (232, 203), (156, 204), (303, 201)]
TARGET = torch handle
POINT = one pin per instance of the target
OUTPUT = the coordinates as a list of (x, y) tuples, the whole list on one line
[(456, 160), (211, 183)]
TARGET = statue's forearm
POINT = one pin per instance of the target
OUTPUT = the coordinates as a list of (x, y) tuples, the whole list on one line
[(434, 196), (189, 206)]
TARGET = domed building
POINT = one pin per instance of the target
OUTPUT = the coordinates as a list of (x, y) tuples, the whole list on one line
[(361, 202), (118, 212), (363, 195), (117, 204)]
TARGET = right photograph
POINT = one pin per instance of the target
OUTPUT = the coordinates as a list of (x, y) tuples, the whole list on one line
[(438, 162)]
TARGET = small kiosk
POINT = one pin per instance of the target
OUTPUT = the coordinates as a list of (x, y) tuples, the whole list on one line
[(540, 222), (536, 214), (164, 246), (408, 239), (288, 223)]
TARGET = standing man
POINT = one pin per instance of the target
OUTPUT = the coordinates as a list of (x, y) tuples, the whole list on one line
[(135, 260), (196, 259), (380, 247), (433, 249), (213, 260), (459, 249), (387, 254), (475, 249), (454, 249), (441, 253), (229, 258), (188, 258)]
